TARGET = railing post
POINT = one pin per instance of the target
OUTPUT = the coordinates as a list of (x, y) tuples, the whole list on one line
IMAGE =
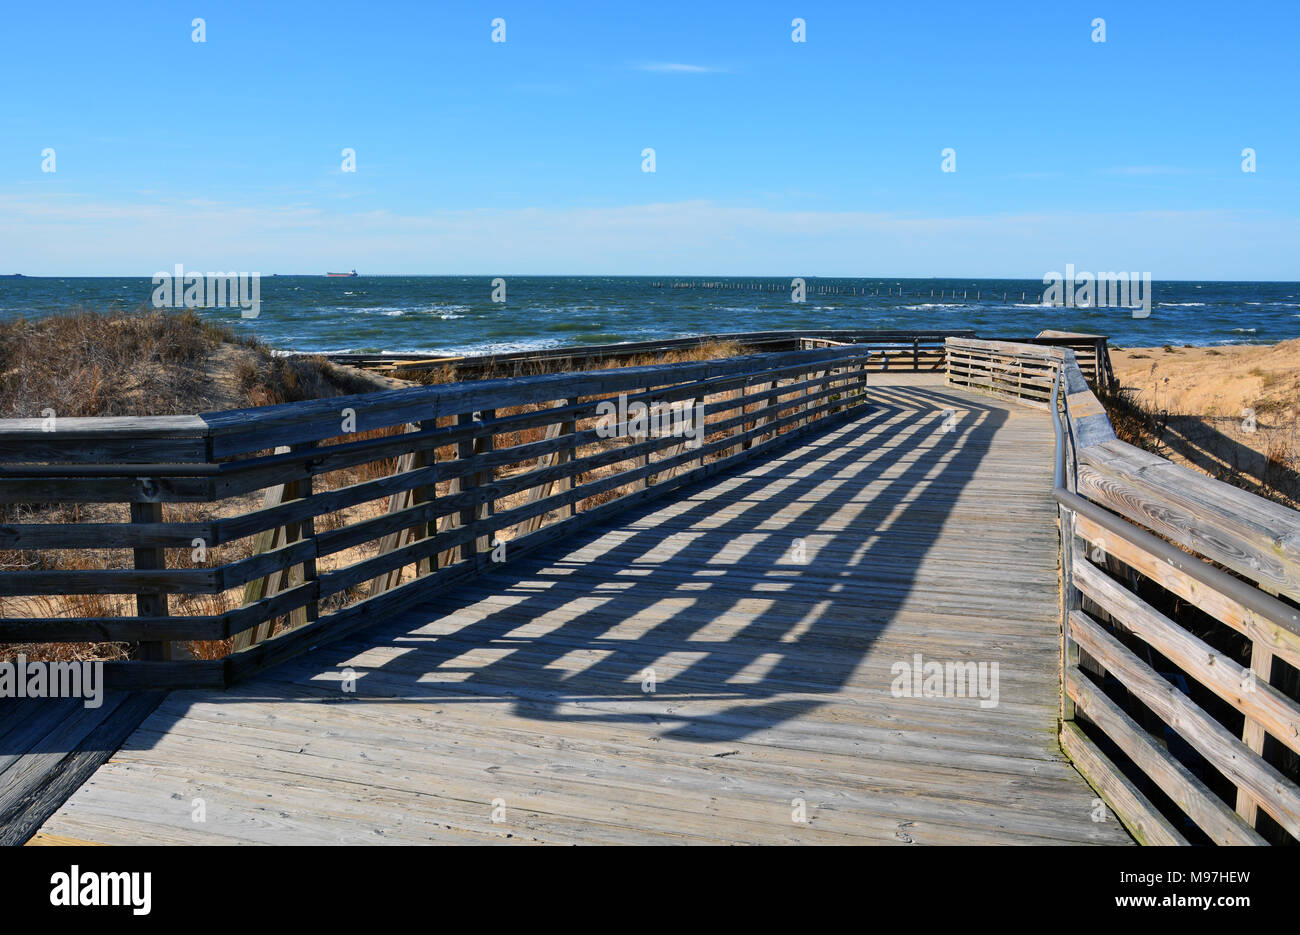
[(1069, 601), (644, 460), (801, 408), (150, 559), (697, 463), (282, 579), (410, 461), (737, 395), (1061, 479), (421, 458), (570, 454), (483, 444), (309, 612), (760, 417), (554, 459), (465, 449), (1252, 735), (264, 541)]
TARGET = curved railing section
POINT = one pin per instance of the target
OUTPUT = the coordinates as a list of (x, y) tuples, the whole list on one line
[(891, 350), (253, 535), (1180, 631)]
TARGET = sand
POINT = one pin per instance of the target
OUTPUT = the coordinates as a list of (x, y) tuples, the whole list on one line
[(1229, 411)]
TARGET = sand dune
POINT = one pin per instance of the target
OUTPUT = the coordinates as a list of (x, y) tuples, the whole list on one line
[(1230, 411)]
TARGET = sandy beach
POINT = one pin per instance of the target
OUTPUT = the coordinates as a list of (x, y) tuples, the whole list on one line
[(1228, 411)]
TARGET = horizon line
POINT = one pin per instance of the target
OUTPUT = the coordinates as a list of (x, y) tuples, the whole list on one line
[(765, 276)]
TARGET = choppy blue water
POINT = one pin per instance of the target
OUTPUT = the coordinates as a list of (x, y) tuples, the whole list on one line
[(453, 314)]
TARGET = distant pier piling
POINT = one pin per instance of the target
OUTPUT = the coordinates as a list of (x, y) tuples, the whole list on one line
[(826, 289)]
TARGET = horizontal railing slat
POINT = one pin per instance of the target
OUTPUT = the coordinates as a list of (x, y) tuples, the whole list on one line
[(1248, 534), (1210, 813), (1277, 795), (1228, 679), (1139, 815), (1259, 616), (241, 431)]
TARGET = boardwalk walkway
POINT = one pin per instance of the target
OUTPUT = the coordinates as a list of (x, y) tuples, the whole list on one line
[(772, 604)]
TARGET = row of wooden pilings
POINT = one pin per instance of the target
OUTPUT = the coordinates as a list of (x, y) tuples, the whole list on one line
[(828, 290)]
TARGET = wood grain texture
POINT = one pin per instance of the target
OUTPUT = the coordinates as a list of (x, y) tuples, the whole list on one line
[(1202, 806), (1256, 699), (1258, 538), (1136, 811), (49, 747)]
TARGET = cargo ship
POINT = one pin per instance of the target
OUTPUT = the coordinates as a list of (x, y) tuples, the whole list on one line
[(345, 275)]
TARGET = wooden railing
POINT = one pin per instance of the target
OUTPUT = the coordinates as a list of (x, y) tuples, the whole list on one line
[(1091, 353), (1180, 630), (288, 525), (1018, 371)]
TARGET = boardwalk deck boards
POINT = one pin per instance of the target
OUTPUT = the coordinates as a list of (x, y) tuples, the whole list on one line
[(772, 602)]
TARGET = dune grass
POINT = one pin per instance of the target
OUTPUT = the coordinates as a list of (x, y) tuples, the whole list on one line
[(149, 362)]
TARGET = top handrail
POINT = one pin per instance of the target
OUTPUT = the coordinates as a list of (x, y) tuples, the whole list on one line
[(209, 436), (626, 348), (1255, 537), (1243, 592), (1058, 470)]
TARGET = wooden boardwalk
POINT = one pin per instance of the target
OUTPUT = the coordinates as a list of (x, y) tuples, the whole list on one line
[(773, 605)]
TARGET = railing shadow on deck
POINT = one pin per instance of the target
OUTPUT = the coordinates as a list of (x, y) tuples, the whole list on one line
[(807, 656), (50, 746)]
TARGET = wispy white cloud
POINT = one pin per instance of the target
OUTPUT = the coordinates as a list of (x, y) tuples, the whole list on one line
[(75, 235), (1148, 170), (678, 68)]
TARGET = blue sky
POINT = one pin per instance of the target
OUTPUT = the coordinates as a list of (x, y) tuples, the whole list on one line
[(772, 157)]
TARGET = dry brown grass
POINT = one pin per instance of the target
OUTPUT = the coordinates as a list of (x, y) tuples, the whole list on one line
[(268, 380), (150, 362), (1230, 412), (447, 373), (90, 364)]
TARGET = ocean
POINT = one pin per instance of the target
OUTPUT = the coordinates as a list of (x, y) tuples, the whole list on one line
[(456, 314)]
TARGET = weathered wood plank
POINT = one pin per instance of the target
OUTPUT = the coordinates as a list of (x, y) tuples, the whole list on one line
[(1279, 633), (1207, 810), (65, 763), (1259, 702), (1253, 536), (1276, 794), (1141, 818)]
